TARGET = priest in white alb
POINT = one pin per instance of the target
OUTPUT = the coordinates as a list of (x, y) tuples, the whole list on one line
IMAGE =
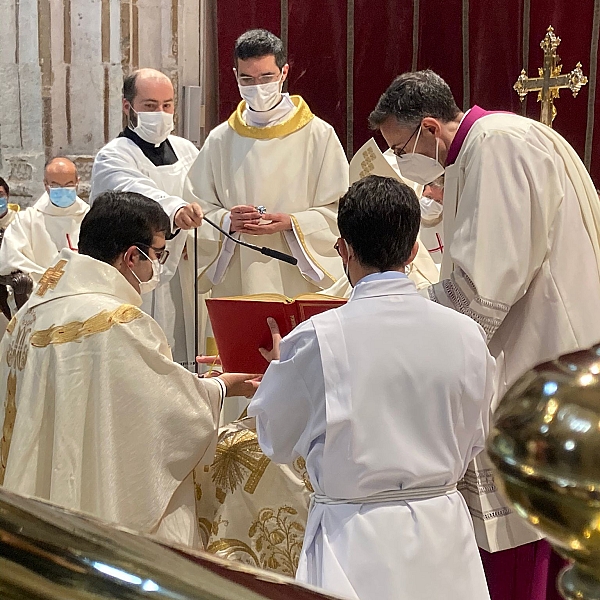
[(94, 414), (145, 158), (36, 235), (387, 399), (272, 153), (522, 258)]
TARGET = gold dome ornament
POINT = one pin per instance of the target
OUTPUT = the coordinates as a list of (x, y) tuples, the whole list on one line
[(545, 446)]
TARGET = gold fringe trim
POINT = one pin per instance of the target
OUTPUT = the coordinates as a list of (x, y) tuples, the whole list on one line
[(301, 117), (77, 330)]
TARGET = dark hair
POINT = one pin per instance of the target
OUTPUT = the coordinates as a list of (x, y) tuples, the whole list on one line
[(129, 90), (380, 217), (414, 96), (259, 42), (4, 185), (118, 220)]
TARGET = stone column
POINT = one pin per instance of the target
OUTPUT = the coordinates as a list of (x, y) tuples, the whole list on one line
[(62, 64)]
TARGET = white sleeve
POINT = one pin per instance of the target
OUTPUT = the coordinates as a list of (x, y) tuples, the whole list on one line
[(290, 398), (305, 264), (507, 205), (217, 270), (16, 252), (114, 170)]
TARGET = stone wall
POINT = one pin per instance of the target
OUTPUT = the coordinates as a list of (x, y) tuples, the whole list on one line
[(62, 64)]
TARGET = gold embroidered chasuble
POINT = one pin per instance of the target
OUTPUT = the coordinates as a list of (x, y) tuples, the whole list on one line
[(94, 414), (250, 509)]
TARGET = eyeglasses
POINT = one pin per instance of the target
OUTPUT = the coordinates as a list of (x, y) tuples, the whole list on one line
[(401, 151), (161, 253), (245, 80)]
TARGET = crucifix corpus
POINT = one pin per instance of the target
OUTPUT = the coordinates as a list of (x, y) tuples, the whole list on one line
[(550, 81)]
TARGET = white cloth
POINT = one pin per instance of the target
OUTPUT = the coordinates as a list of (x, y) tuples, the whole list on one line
[(106, 423), (34, 239), (268, 118), (521, 261), (122, 166), (383, 394)]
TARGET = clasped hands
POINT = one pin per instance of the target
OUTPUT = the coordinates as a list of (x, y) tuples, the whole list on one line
[(244, 384), (245, 219)]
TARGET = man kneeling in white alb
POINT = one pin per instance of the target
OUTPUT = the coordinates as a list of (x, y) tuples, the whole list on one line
[(387, 398), (95, 414)]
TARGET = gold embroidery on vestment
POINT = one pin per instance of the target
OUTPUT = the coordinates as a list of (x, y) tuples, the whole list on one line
[(51, 278), (234, 550), (16, 358), (78, 330), (367, 165), (277, 537), (238, 457)]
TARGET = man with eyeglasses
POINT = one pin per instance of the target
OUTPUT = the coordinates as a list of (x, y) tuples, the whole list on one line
[(36, 236), (522, 258), (94, 414), (148, 159), (272, 175)]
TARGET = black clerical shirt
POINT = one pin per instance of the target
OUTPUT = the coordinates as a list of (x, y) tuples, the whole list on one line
[(159, 156)]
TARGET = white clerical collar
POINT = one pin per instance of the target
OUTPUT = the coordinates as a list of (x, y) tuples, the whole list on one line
[(268, 118), (383, 276)]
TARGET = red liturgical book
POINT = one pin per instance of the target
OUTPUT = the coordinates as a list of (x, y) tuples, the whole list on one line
[(240, 327)]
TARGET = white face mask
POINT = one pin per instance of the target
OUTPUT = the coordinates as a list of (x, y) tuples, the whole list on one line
[(262, 97), (154, 127), (419, 168), (148, 286), (430, 209)]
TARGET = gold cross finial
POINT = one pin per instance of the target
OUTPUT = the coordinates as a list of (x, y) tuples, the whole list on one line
[(51, 278), (550, 81)]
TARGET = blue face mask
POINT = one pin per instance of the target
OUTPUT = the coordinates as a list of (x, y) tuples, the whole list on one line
[(3, 204), (63, 197)]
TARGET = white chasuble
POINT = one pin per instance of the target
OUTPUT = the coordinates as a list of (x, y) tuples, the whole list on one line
[(36, 235), (122, 166), (296, 167), (387, 398), (521, 223), (94, 414)]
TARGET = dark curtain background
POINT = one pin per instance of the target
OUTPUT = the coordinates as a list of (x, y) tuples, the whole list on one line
[(344, 53)]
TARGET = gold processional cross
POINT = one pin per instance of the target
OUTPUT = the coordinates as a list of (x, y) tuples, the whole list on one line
[(550, 81), (51, 278)]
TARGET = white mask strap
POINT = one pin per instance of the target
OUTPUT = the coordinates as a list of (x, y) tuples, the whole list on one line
[(417, 140)]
